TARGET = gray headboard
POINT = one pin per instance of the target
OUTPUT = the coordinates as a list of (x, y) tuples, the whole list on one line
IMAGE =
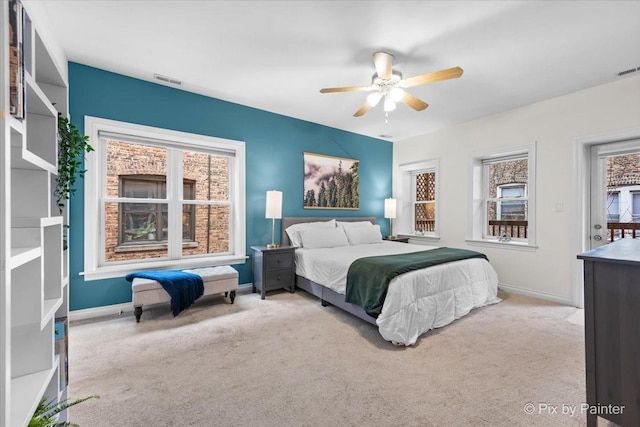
[(290, 220)]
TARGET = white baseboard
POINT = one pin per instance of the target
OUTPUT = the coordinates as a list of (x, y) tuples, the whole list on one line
[(107, 310), (245, 287), (125, 307), (535, 294)]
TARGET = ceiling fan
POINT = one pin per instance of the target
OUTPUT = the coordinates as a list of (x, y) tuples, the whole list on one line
[(389, 85)]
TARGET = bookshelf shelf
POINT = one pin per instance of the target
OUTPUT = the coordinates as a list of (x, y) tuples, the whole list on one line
[(27, 391), (34, 291), (22, 255), (49, 308)]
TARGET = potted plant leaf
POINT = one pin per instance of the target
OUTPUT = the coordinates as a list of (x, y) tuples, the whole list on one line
[(46, 413)]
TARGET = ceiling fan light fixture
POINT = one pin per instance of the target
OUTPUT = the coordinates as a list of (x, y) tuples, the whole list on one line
[(389, 105), (374, 98), (396, 94), (388, 83)]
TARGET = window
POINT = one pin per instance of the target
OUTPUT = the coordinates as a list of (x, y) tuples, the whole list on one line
[(159, 198), (424, 201), (613, 206), (145, 223), (511, 204), (503, 198), (635, 206), (418, 207)]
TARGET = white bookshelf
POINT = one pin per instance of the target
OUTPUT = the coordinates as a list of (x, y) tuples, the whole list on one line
[(33, 266)]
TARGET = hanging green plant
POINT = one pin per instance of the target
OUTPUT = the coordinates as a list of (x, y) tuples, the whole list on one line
[(71, 148)]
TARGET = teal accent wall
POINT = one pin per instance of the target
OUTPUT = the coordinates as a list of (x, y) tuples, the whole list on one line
[(274, 160)]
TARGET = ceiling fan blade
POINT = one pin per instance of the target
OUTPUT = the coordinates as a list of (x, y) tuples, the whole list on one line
[(382, 61), (450, 73), (362, 110), (413, 102), (346, 89)]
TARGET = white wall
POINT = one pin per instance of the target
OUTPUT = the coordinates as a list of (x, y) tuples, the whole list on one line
[(554, 123)]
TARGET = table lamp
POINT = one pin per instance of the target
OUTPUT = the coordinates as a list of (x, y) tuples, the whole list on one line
[(390, 212), (273, 211)]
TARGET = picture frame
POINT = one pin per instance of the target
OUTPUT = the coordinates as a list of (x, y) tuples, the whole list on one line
[(330, 182)]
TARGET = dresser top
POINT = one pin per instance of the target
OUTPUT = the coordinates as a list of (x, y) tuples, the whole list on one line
[(623, 251)]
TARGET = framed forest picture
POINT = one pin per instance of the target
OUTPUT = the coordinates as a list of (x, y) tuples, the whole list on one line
[(330, 182)]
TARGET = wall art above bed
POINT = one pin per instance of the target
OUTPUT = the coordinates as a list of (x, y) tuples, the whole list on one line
[(330, 182)]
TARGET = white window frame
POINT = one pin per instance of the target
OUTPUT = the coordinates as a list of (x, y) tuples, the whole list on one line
[(95, 267), (477, 220), (407, 199)]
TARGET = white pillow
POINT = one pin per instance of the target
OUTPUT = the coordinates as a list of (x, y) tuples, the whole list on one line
[(364, 235), (323, 238), (354, 224), (293, 231)]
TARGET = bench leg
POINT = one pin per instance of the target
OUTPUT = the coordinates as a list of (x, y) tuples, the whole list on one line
[(138, 312), (233, 296)]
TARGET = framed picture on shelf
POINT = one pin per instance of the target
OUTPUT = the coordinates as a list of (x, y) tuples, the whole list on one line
[(16, 59), (330, 182)]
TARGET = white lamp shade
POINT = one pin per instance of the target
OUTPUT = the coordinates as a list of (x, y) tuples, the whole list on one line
[(389, 105), (274, 204), (389, 208), (374, 98)]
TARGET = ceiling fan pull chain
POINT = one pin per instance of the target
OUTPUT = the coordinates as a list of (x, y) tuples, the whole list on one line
[(386, 118)]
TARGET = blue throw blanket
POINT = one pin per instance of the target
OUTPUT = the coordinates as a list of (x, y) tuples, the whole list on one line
[(183, 288)]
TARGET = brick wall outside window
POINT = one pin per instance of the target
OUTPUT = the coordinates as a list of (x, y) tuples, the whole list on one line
[(211, 176)]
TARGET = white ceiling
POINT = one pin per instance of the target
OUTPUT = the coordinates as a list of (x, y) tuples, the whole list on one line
[(277, 55)]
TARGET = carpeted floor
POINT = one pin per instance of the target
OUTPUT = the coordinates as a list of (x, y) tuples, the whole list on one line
[(288, 361)]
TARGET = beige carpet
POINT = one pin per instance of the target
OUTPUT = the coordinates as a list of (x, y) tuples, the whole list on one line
[(288, 361)]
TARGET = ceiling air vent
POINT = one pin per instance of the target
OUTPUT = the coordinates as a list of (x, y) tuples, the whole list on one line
[(629, 71), (167, 79)]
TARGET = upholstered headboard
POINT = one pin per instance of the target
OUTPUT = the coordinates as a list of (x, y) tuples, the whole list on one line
[(290, 220)]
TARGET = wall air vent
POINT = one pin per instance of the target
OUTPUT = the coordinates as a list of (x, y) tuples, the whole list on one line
[(167, 79), (629, 71)]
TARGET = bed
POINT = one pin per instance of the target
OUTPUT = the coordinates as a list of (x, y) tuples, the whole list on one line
[(415, 302)]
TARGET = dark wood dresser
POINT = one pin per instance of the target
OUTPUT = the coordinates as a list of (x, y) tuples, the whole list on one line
[(612, 332)]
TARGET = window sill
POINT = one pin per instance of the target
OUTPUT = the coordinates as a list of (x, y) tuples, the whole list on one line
[(518, 246), (149, 247), (119, 271), (421, 238)]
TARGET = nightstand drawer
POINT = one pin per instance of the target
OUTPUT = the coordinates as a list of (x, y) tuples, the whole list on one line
[(278, 279), (277, 261)]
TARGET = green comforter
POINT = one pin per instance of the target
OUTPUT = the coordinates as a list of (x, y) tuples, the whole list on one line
[(368, 278)]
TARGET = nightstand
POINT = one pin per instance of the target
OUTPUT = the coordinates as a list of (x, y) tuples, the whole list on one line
[(396, 239), (273, 269)]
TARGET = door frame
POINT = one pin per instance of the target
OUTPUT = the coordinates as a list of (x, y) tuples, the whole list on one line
[(581, 189)]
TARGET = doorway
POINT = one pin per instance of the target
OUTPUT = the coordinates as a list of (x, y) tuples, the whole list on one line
[(615, 192), (595, 202)]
